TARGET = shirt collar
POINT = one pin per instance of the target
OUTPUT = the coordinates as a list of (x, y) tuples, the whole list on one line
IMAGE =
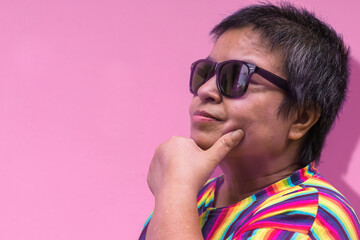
[(297, 178)]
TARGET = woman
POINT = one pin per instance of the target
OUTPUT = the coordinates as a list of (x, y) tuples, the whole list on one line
[(264, 100)]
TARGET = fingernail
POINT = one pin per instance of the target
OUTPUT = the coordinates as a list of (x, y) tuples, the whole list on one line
[(238, 134)]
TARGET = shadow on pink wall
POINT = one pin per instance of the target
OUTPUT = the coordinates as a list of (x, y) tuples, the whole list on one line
[(341, 143)]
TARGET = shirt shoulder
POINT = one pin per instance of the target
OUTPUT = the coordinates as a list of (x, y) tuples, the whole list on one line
[(335, 218), (311, 210)]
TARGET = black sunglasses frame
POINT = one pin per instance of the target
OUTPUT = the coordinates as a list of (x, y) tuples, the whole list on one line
[(217, 67)]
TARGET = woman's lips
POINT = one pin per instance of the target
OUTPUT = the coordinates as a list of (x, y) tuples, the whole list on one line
[(202, 116)]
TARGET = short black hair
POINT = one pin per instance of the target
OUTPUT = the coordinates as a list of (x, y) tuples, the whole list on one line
[(315, 62)]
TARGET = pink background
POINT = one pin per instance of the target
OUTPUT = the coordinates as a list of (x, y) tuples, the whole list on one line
[(89, 88)]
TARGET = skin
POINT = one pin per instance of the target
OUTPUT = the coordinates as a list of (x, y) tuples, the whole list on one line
[(183, 165)]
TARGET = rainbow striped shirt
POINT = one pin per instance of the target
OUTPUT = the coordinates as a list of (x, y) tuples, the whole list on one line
[(302, 206)]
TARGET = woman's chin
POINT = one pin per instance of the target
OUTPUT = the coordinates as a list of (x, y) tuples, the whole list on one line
[(204, 143)]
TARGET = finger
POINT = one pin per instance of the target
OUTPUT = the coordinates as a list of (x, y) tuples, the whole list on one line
[(225, 144)]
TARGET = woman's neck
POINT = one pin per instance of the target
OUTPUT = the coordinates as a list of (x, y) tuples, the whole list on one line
[(244, 180)]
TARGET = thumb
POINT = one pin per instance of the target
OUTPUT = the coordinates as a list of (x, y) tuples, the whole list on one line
[(225, 144)]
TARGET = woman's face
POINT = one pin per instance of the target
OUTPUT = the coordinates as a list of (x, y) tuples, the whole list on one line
[(212, 115)]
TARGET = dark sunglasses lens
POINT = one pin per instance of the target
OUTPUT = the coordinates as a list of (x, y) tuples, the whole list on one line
[(233, 79), (200, 74)]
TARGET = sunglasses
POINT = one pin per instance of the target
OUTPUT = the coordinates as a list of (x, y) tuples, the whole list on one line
[(232, 77)]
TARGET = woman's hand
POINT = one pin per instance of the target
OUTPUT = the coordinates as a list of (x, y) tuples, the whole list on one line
[(181, 163), (178, 170)]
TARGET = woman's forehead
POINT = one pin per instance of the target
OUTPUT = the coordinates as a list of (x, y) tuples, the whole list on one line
[(247, 45)]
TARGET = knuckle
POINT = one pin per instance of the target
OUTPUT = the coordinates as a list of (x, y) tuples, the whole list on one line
[(150, 185), (148, 180), (176, 141), (175, 138), (227, 143), (160, 148), (157, 150)]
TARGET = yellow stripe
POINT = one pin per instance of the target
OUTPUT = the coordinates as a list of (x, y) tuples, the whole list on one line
[(260, 234), (310, 210), (278, 199), (320, 230), (320, 183), (337, 209), (231, 216), (280, 186)]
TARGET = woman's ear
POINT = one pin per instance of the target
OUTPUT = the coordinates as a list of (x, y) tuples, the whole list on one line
[(304, 120)]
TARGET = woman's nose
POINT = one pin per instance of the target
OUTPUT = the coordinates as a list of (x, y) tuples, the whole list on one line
[(208, 92)]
